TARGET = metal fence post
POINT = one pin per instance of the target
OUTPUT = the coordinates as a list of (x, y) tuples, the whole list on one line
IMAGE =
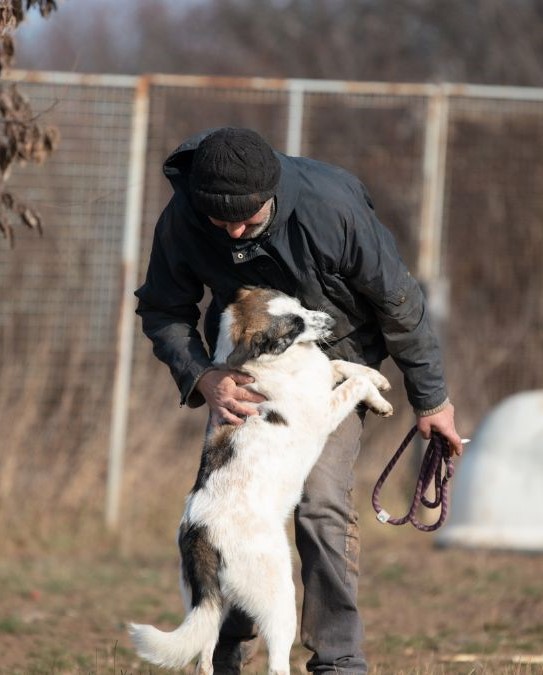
[(429, 268), (129, 271), (295, 118)]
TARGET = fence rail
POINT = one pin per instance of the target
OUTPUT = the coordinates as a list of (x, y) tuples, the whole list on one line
[(456, 172)]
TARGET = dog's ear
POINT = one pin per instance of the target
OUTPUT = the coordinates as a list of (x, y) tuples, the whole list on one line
[(243, 292), (243, 352), (281, 338)]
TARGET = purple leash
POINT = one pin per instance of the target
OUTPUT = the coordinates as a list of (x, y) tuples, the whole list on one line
[(437, 464)]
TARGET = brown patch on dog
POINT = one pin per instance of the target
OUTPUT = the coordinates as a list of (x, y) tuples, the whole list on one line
[(200, 563), (250, 315), (218, 451), (254, 331)]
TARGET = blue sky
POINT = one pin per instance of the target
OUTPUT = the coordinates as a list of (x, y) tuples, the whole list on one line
[(120, 10), (35, 34)]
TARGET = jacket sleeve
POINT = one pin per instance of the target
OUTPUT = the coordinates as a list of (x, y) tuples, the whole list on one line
[(168, 306), (373, 267)]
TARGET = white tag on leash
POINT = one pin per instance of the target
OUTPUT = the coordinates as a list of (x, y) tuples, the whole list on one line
[(383, 516)]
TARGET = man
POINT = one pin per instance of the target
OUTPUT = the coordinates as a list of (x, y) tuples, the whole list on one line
[(242, 214)]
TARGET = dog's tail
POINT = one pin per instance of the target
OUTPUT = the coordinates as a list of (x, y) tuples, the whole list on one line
[(177, 648)]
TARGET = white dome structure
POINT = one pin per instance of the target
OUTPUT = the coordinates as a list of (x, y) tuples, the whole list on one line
[(497, 491)]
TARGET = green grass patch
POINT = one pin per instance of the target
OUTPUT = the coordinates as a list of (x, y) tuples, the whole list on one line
[(12, 625)]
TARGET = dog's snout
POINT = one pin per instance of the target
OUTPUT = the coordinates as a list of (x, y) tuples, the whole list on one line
[(324, 320), (323, 324), (329, 322)]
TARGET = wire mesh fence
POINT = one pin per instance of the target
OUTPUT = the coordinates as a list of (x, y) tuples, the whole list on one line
[(481, 172)]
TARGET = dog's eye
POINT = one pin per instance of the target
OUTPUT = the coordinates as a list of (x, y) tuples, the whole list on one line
[(296, 323)]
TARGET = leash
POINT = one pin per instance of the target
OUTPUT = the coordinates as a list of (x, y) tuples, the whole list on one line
[(437, 464)]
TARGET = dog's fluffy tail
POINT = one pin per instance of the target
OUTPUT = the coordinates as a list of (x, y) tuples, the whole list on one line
[(177, 648)]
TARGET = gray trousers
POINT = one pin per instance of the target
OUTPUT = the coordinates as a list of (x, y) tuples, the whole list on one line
[(326, 527)]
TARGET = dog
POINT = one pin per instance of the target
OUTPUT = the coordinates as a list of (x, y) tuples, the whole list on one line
[(232, 536)]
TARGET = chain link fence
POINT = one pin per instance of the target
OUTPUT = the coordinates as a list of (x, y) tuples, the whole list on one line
[(455, 173)]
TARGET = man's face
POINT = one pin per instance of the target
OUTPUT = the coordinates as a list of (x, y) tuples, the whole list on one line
[(251, 227)]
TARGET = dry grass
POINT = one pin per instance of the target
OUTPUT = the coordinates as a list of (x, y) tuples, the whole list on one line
[(427, 611)]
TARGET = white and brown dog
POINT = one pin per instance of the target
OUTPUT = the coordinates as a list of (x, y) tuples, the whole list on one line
[(232, 536)]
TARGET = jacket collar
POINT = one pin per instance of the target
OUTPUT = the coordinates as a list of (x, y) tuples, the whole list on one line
[(287, 193)]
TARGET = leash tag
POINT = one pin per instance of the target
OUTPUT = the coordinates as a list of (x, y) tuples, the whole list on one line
[(383, 516)]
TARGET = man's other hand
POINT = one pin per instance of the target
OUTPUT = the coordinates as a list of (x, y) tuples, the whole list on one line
[(443, 422)]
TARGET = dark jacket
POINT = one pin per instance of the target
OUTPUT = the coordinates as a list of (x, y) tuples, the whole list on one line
[(325, 245)]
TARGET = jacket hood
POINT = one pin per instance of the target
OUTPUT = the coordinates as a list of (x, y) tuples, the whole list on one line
[(177, 169), (177, 165)]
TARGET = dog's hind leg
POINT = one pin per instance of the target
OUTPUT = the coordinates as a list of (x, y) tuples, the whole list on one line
[(205, 662), (277, 612), (280, 631), (263, 587), (277, 621)]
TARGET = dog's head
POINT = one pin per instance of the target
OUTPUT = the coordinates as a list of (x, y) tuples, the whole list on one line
[(262, 321)]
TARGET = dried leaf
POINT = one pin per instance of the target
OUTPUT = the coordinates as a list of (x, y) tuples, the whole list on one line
[(30, 218), (51, 139), (7, 231), (7, 200)]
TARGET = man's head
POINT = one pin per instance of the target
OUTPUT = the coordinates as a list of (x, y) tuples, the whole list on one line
[(234, 177)]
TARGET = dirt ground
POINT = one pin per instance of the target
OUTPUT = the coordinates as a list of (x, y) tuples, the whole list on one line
[(426, 610)]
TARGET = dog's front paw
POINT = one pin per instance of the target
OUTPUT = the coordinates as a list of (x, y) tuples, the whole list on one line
[(380, 381), (374, 376), (384, 409), (347, 369), (376, 403)]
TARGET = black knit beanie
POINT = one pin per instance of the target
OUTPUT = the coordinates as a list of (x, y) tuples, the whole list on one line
[(234, 171)]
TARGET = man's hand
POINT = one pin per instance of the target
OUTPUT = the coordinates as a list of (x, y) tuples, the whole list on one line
[(443, 422), (226, 397)]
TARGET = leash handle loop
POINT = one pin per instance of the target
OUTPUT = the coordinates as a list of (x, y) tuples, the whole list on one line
[(437, 464)]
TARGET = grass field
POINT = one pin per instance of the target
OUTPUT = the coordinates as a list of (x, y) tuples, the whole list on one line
[(67, 590), (426, 610)]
